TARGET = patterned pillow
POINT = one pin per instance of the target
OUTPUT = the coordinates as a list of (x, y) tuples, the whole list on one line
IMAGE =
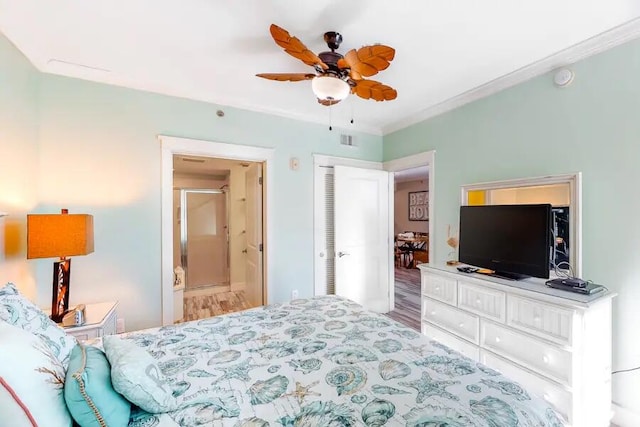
[(31, 381), (137, 376), (17, 310)]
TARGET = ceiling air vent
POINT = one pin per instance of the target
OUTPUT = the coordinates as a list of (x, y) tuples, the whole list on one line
[(348, 140), (192, 160)]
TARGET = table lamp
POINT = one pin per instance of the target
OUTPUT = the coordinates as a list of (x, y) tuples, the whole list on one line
[(59, 235)]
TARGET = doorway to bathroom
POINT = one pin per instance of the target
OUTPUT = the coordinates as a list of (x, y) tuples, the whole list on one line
[(217, 237)]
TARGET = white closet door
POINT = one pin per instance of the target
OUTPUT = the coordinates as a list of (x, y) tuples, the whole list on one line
[(361, 220), (324, 231)]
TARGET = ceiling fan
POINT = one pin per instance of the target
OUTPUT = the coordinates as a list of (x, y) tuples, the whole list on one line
[(336, 75)]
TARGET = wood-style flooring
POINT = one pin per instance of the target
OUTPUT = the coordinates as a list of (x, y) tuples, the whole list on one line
[(407, 306), (407, 293), (201, 306)]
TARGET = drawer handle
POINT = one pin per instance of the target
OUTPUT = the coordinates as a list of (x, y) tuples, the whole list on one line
[(497, 339), (545, 359)]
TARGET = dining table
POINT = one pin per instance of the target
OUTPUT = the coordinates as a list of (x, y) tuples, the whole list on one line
[(412, 245)]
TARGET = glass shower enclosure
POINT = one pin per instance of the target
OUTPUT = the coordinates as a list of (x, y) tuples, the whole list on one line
[(204, 237)]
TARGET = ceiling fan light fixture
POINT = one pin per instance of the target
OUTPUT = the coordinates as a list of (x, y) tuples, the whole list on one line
[(330, 88)]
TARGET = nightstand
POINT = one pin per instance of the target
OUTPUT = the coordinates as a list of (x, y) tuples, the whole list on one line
[(100, 321)]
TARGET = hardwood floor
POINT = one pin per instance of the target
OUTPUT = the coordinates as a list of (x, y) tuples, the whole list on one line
[(201, 306), (407, 294)]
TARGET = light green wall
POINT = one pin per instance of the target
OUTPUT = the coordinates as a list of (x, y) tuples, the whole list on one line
[(99, 154), (535, 129), (18, 157)]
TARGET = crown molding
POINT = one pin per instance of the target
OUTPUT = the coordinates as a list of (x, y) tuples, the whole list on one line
[(592, 46)]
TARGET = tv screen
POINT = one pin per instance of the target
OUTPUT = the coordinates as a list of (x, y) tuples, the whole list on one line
[(512, 240)]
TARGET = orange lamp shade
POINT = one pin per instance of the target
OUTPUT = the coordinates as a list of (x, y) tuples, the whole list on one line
[(59, 235)]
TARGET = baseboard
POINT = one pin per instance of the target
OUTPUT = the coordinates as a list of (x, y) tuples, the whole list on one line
[(623, 417), (238, 286)]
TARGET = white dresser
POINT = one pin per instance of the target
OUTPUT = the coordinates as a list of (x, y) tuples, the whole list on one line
[(555, 343)]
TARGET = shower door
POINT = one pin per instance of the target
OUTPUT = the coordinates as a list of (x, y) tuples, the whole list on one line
[(204, 238)]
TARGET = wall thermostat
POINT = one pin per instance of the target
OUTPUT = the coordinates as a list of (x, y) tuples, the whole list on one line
[(563, 77)]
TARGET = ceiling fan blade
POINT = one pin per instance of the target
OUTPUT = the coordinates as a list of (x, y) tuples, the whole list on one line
[(286, 77), (328, 102), (371, 89), (368, 60), (294, 47)]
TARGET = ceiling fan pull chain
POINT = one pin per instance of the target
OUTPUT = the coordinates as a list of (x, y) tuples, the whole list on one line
[(351, 111), (330, 105)]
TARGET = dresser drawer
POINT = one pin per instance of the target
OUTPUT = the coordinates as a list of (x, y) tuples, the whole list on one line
[(461, 346), (451, 319), (552, 393), (483, 301), (544, 320), (546, 358), (439, 287)]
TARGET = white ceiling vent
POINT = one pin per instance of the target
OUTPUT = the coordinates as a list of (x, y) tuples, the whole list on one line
[(349, 140)]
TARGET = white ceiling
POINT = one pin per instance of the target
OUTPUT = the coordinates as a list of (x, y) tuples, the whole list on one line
[(210, 50)]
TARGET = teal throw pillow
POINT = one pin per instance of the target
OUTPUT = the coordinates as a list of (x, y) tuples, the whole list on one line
[(88, 392), (136, 375)]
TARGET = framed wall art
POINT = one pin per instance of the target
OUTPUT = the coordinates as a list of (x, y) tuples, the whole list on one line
[(418, 206)]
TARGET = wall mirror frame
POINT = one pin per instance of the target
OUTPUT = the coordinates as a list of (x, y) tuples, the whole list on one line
[(574, 183)]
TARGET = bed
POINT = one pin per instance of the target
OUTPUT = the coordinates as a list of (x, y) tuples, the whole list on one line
[(326, 361)]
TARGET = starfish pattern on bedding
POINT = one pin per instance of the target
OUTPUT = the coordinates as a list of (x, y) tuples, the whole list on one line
[(302, 391), (355, 334), (426, 387), (417, 349), (239, 371), (266, 337), (358, 313)]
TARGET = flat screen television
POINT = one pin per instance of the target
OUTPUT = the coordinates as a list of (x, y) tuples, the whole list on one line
[(512, 240)]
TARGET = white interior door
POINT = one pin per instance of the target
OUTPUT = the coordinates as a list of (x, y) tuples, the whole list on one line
[(361, 218), (254, 264)]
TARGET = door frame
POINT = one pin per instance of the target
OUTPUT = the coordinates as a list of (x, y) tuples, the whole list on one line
[(171, 145), (415, 160)]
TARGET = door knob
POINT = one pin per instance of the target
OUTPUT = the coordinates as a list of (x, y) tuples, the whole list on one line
[(341, 254)]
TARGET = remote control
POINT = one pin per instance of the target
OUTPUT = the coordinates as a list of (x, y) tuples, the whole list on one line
[(467, 269)]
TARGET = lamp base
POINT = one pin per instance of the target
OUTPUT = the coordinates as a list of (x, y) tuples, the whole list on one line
[(60, 293)]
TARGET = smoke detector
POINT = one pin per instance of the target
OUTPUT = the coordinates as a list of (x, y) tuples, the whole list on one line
[(563, 77)]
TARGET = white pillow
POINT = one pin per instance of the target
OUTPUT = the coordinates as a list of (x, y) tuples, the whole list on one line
[(19, 311), (31, 381)]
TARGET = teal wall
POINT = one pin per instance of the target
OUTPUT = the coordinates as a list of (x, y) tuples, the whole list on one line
[(536, 129), (98, 153)]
